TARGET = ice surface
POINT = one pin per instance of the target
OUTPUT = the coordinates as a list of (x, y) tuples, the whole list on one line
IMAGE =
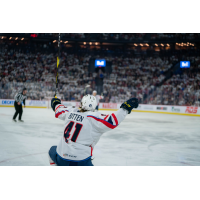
[(141, 139)]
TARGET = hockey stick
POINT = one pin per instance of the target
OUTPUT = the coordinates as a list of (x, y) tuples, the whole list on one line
[(58, 63)]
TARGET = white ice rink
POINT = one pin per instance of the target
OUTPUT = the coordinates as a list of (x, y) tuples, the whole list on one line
[(141, 139)]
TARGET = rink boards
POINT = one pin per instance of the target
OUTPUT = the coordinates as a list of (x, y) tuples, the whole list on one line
[(165, 109), (29, 103)]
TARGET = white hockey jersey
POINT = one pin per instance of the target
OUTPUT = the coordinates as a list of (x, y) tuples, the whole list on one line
[(83, 130), (98, 97)]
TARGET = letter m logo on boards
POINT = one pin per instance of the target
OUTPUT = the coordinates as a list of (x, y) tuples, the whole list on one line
[(100, 63)]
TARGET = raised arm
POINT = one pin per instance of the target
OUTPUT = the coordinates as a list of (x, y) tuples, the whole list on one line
[(103, 123), (60, 110)]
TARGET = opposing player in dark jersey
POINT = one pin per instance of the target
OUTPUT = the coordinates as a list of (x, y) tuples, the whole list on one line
[(19, 98)]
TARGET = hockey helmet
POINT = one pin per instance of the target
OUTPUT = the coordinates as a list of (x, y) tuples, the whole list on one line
[(88, 102)]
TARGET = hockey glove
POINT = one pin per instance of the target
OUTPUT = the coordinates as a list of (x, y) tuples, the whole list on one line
[(54, 102), (130, 104)]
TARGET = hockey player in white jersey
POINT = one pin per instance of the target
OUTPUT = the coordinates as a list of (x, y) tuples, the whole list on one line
[(82, 130), (98, 97)]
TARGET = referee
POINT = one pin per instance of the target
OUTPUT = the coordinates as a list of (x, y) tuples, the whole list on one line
[(19, 98)]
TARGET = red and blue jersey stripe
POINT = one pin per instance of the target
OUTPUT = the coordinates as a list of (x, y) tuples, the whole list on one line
[(108, 123)]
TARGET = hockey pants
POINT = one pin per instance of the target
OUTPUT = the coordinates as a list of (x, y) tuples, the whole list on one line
[(19, 110), (57, 160)]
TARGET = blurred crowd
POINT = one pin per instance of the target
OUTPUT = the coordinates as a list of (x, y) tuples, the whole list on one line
[(182, 88), (130, 76), (134, 77), (143, 78), (38, 71)]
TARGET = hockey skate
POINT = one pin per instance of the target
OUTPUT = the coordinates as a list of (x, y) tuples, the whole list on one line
[(14, 120), (20, 120)]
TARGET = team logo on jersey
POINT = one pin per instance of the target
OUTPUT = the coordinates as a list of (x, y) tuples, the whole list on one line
[(90, 105), (69, 155)]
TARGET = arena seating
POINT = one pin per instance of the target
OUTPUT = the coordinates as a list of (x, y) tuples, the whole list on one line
[(139, 77), (182, 88)]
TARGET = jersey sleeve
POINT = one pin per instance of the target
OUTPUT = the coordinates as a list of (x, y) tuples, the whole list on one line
[(103, 123), (62, 111)]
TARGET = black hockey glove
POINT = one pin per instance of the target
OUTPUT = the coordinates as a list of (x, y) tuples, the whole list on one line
[(130, 104), (54, 102)]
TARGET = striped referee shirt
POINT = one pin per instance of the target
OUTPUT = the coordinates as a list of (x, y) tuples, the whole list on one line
[(19, 97)]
